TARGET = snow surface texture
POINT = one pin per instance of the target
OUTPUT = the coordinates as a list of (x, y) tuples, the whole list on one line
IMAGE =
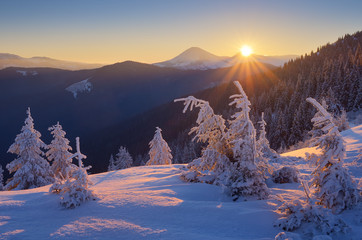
[(80, 87), (153, 203)]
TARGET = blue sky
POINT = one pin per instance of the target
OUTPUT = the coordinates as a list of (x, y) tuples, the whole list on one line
[(150, 31)]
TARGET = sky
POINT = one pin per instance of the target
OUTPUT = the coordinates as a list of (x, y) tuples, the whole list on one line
[(109, 31)]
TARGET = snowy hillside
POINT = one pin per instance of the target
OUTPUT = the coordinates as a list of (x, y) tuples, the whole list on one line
[(198, 59), (153, 203), (80, 87)]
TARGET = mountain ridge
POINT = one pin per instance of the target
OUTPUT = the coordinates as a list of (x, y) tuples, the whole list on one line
[(12, 60), (196, 58)]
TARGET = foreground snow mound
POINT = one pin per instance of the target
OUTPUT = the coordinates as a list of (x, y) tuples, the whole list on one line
[(136, 203)]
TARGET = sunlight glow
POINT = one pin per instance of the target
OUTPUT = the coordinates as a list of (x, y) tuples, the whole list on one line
[(246, 50)]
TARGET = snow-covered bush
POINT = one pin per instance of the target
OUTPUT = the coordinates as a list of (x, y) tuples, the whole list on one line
[(58, 152), (75, 190), (160, 152), (123, 159), (285, 175), (31, 169), (56, 187), (296, 213), (334, 187), (230, 158), (1, 178)]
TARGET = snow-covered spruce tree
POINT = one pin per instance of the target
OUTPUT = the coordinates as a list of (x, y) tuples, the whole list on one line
[(75, 190), (188, 152), (111, 166), (1, 178), (264, 152), (58, 152), (230, 156), (334, 187), (263, 144), (160, 153), (31, 169), (123, 159), (210, 129), (246, 178)]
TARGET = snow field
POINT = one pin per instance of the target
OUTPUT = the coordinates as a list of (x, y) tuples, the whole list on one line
[(153, 203)]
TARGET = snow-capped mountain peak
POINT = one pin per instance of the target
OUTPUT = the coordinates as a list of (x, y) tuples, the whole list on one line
[(195, 54), (195, 58)]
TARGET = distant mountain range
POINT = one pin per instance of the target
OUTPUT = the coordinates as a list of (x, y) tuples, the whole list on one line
[(198, 59), (192, 59), (11, 60)]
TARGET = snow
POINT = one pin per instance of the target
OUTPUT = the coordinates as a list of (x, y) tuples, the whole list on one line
[(353, 140), (151, 202), (80, 87), (25, 73), (302, 152)]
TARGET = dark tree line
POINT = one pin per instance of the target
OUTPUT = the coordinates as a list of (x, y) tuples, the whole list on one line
[(332, 73)]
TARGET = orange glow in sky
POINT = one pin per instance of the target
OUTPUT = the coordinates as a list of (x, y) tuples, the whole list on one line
[(153, 31)]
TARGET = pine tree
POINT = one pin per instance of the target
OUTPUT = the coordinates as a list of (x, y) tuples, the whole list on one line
[(141, 159), (75, 190), (1, 178), (296, 131), (342, 122), (263, 144), (160, 153), (210, 129), (58, 152), (30, 169), (111, 166), (123, 159), (230, 157), (189, 153), (246, 178), (178, 154), (335, 188)]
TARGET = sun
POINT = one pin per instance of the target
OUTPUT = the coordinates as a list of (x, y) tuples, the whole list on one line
[(246, 50)]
